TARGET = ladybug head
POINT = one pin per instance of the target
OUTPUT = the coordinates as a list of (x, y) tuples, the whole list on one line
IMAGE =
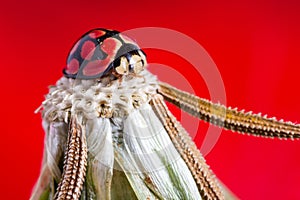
[(102, 52)]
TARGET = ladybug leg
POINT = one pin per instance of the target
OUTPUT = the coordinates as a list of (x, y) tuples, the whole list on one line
[(115, 74), (120, 79)]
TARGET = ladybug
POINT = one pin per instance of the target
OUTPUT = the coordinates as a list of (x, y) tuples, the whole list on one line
[(101, 52)]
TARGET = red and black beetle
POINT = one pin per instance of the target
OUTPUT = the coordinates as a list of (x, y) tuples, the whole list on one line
[(101, 51)]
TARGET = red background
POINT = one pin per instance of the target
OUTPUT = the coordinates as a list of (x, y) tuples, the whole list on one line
[(255, 46)]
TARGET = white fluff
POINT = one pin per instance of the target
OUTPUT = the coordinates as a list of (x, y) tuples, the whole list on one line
[(101, 154), (133, 137), (147, 152)]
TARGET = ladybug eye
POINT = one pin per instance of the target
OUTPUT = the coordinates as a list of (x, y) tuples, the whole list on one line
[(131, 67)]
